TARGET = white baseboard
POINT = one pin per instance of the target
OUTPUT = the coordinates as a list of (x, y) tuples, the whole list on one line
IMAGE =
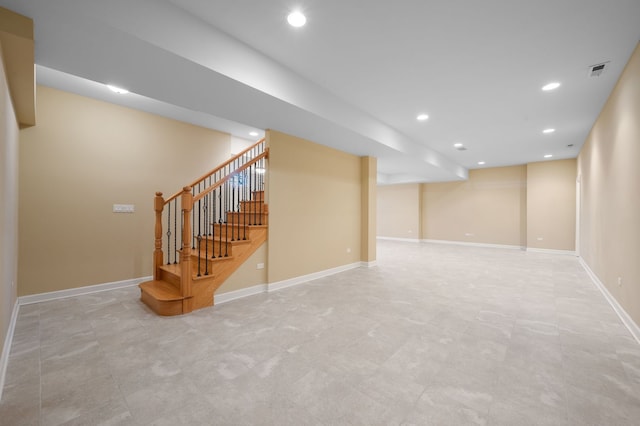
[(404, 240), (6, 349), (279, 285), (622, 314), (61, 294), (552, 251), (314, 276), (464, 243), (239, 294)]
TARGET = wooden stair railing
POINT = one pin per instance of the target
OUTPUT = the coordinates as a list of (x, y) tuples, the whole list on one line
[(219, 220)]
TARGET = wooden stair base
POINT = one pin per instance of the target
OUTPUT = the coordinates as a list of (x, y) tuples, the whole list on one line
[(162, 297)]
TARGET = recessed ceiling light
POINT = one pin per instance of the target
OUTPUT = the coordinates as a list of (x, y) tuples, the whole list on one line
[(481, 163), (296, 19), (422, 117), (548, 156), (458, 145), (253, 133), (117, 90), (551, 86), (547, 131)]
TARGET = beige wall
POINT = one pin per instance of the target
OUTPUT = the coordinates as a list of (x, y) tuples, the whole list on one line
[(399, 208), (609, 176), (551, 205), (505, 205), (248, 274), (488, 208), (84, 156), (8, 207), (369, 176), (314, 197)]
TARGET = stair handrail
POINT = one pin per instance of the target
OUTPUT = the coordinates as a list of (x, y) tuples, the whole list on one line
[(220, 182), (217, 169)]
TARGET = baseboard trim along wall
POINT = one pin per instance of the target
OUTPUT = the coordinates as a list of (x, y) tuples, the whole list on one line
[(622, 314), (464, 243), (405, 240), (239, 294), (279, 285), (6, 349), (61, 294), (552, 251)]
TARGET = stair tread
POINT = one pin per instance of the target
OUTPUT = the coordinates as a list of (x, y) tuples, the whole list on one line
[(161, 290), (217, 238), (250, 212), (240, 224), (176, 268), (204, 256)]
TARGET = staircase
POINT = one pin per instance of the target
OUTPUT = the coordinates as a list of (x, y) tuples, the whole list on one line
[(205, 232)]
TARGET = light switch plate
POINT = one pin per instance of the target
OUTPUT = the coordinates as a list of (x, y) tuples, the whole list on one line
[(124, 208)]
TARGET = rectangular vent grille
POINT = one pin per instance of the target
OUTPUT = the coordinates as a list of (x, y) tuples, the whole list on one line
[(598, 69)]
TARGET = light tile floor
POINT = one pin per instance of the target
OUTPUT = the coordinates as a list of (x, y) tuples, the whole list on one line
[(434, 335)]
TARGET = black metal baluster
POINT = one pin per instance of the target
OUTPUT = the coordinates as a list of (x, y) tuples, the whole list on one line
[(254, 195), (213, 223), (220, 213), (233, 183), (175, 231), (193, 220), (169, 234), (226, 209), (244, 205), (211, 202), (199, 238), (206, 241), (262, 189)]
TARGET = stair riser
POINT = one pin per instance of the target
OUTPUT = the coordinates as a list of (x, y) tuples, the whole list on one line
[(212, 248), (254, 206), (160, 307), (249, 219), (170, 278), (234, 232), (206, 267), (258, 195)]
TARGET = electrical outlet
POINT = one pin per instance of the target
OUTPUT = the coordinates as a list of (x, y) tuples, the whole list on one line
[(539, 238), (619, 281), (468, 234), (260, 266), (349, 250)]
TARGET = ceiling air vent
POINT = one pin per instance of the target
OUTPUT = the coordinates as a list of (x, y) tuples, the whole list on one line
[(598, 69), (461, 148)]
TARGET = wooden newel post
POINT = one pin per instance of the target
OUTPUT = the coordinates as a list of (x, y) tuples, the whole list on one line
[(158, 256), (185, 253)]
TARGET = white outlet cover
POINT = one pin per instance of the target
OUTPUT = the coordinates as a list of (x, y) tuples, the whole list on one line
[(124, 208)]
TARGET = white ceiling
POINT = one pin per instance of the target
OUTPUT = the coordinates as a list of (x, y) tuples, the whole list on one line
[(356, 76)]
